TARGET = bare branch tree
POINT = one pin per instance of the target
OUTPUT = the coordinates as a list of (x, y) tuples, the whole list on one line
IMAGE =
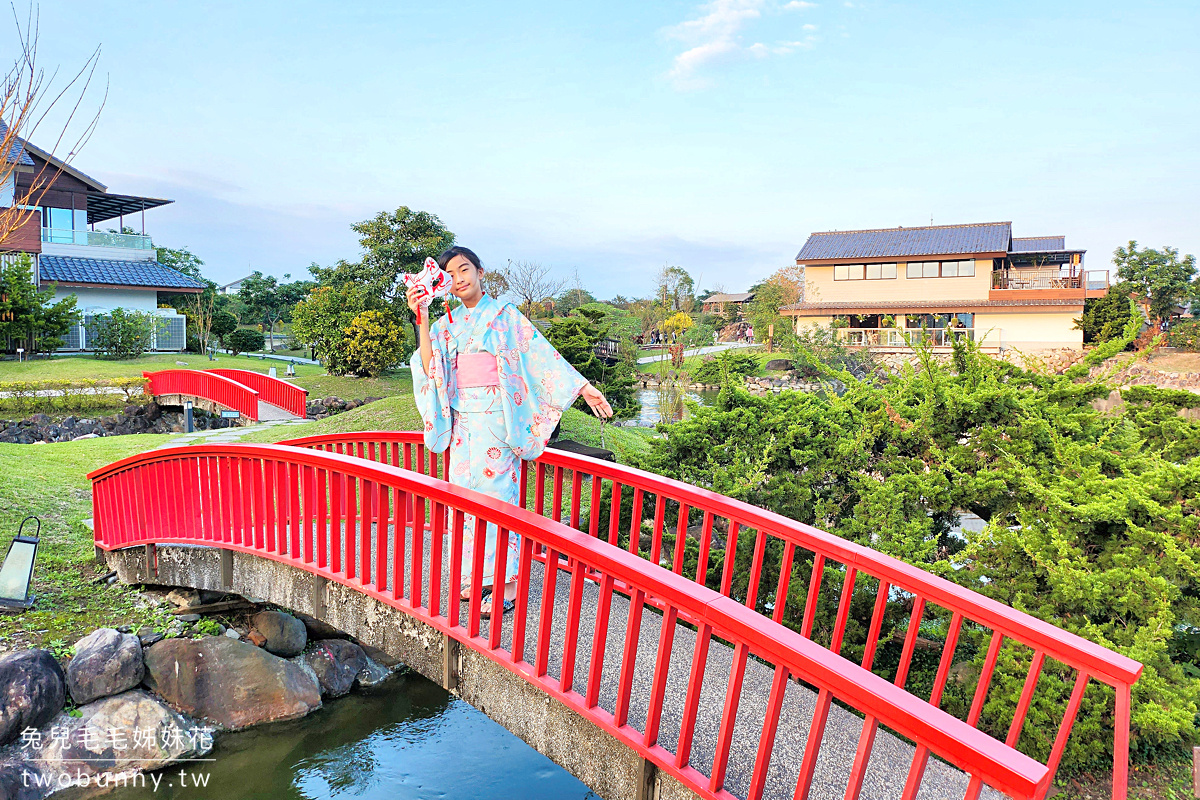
[(201, 307), (532, 282), (27, 97), (496, 282)]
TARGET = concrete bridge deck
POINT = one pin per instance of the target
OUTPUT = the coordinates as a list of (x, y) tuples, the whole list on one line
[(612, 770)]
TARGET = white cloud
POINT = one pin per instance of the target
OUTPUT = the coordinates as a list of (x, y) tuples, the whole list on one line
[(810, 27), (716, 35)]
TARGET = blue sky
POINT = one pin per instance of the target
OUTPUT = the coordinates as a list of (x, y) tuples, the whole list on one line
[(612, 138)]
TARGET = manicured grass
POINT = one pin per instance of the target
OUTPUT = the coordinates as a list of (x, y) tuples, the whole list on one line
[(395, 383), (309, 376), (50, 481), (583, 427), (397, 413), (68, 367)]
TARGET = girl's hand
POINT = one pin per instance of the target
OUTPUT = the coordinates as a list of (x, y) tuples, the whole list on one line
[(596, 402), (413, 296)]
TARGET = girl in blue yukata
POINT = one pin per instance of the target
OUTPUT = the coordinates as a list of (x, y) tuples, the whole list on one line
[(491, 389)]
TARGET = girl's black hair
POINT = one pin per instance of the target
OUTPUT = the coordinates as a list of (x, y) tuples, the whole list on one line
[(466, 253)]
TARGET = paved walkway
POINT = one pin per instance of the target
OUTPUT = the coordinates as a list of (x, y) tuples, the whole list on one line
[(699, 351), (228, 435), (891, 757)]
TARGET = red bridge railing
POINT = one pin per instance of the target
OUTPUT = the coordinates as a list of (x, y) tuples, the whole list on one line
[(277, 392), (571, 488), (199, 383), (301, 506)]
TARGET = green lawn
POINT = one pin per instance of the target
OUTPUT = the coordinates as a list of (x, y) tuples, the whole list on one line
[(49, 480), (309, 376), (395, 413), (68, 367), (398, 382)]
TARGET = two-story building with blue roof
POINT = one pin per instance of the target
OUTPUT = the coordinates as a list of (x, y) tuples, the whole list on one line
[(104, 270), (887, 287)]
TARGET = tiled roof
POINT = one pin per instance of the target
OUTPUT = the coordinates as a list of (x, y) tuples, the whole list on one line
[(17, 151), (64, 269), (985, 237), (929, 304), (728, 298), (1038, 244)]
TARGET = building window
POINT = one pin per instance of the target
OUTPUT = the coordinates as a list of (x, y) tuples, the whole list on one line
[(940, 269), (858, 272)]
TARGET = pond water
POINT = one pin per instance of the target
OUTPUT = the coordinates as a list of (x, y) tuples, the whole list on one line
[(666, 404), (407, 738)]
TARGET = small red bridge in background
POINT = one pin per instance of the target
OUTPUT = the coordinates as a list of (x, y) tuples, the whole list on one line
[(616, 553), (255, 395)]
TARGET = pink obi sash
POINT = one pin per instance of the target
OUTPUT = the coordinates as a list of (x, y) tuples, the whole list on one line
[(476, 369)]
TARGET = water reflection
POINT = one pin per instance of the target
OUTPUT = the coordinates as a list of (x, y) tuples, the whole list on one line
[(666, 403), (405, 739)]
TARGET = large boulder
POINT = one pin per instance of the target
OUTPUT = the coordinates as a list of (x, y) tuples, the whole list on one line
[(33, 689), (285, 635), (228, 682), (21, 780), (111, 735), (319, 629), (337, 664), (106, 662)]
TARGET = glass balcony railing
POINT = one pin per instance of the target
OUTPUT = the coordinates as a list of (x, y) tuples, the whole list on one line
[(895, 337), (97, 238)]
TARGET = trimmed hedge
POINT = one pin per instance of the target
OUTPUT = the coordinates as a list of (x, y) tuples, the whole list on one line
[(80, 394)]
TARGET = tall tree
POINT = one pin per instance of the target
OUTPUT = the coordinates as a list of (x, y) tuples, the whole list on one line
[(1161, 275), (199, 308), (181, 260), (394, 244), (572, 297), (32, 318), (1105, 318), (676, 289), (532, 283), (271, 301), (262, 296)]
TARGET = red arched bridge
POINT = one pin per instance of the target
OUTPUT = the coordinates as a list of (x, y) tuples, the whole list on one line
[(255, 395), (686, 642)]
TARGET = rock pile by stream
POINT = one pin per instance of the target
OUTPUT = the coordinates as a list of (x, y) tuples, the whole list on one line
[(141, 418), (89, 721), (328, 406)]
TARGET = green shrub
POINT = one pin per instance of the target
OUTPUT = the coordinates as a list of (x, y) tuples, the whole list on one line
[(122, 333), (1176, 398), (575, 338), (244, 341), (207, 626), (1093, 522), (699, 335), (374, 342), (223, 324), (1184, 335), (1104, 318), (713, 369)]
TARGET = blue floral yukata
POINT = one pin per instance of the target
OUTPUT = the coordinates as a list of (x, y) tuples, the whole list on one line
[(489, 428)]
